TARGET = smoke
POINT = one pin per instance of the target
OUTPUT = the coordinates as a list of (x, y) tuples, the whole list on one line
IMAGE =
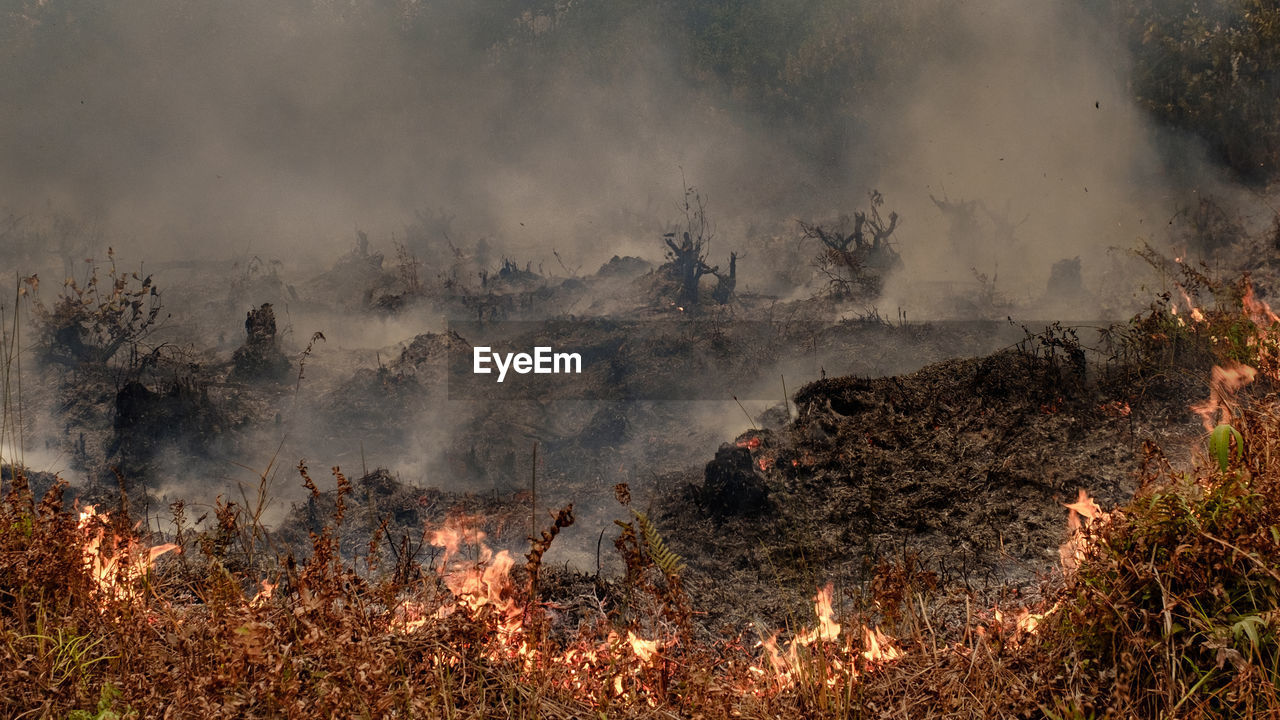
[(1018, 145), (220, 129), (229, 129), (1002, 132)]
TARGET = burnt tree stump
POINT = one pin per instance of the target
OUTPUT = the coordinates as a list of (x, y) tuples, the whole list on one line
[(731, 485), (260, 357)]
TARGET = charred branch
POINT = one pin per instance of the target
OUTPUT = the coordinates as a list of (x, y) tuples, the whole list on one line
[(855, 262)]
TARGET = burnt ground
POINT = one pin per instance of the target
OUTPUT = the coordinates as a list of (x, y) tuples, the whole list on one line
[(963, 466), (893, 448)]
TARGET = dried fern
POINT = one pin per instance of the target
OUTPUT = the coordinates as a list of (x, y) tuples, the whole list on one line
[(671, 564), (539, 546)]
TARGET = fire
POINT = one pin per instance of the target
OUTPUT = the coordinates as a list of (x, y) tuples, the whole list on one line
[(1085, 507), (827, 629), (483, 587), (409, 617), (1266, 340), (785, 667), (1224, 383), (264, 594), (878, 648), (1029, 622), (622, 666), (1026, 623), (1257, 310), (115, 564), (1073, 551), (483, 590), (646, 650), (1116, 409), (1197, 316)]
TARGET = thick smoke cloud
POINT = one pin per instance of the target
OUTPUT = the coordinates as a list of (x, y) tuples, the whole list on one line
[(226, 129), (1028, 113), (221, 129)]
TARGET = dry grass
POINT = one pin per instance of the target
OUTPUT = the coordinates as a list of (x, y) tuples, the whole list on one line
[(1171, 614)]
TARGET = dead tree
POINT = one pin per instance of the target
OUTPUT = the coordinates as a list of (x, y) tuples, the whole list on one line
[(962, 218), (260, 358), (724, 288), (91, 323), (690, 265), (687, 259), (966, 233), (856, 262)]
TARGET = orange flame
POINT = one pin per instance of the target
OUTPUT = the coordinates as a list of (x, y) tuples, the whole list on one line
[(784, 668), (1072, 552), (878, 648), (480, 587), (1257, 310), (264, 594), (646, 650), (827, 629), (483, 589), (1025, 624), (1029, 622), (1224, 384), (115, 564), (409, 617), (620, 666)]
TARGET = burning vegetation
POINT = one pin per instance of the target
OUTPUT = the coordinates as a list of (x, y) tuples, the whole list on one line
[(956, 515), (1159, 606), (1007, 535)]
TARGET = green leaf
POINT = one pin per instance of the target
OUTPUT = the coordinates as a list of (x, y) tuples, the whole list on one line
[(1220, 444), (1249, 626)]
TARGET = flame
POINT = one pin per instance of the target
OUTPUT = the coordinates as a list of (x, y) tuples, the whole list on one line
[(1265, 341), (1116, 408), (1257, 310), (1029, 622), (1224, 383), (264, 594), (115, 564), (483, 587), (1085, 507), (781, 669), (625, 666), (483, 590), (1026, 623), (1073, 551), (646, 650), (827, 629), (409, 617), (878, 648)]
